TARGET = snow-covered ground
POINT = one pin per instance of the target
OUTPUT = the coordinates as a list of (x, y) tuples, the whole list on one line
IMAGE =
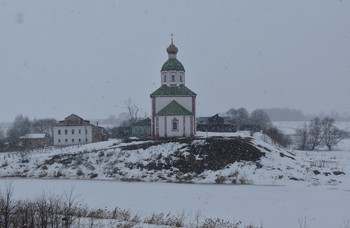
[(291, 126), (290, 186), (270, 206)]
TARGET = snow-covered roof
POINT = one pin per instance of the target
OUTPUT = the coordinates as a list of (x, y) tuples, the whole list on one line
[(33, 136)]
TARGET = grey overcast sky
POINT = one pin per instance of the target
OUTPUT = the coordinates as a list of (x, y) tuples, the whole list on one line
[(87, 57)]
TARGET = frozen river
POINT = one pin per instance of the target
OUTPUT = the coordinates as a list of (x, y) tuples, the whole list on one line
[(271, 206)]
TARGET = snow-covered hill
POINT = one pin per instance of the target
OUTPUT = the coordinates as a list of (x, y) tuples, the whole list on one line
[(250, 161)]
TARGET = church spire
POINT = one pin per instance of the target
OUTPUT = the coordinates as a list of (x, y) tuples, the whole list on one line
[(172, 49)]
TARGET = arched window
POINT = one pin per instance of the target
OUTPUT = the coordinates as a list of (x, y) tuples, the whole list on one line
[(175, 124), (164, 78), (173, 78), (180, 78)]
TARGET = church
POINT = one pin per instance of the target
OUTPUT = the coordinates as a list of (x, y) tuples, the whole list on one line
[(173, 104)]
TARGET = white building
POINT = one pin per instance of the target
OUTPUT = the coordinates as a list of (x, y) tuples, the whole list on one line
[(173, 104), (75, 130)]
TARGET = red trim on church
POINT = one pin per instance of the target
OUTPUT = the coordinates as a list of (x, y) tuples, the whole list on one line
[(157, 126), (184, 126), (165, 127), (194, 105), (191, 121), (153, 116)]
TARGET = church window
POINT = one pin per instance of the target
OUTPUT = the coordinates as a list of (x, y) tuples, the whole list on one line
[(175, 125), (164, 78), (173, 78), (180, 78), (59, 132)]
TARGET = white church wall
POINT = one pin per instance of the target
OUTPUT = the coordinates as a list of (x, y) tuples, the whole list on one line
[(165, 126)]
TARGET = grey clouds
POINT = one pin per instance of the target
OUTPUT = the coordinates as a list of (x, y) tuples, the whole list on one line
[(87, 57)]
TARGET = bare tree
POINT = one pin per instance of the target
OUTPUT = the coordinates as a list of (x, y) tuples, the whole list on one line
[(315, 133), (239, 117), (2, 134), (21, 126), (331, 134), (25, 215), (70, 205), (302, 137), (7, 206), (259, 120), (133, 110), (2, 140), (319, 133), (278, 137), (242, 117), (43, 125)]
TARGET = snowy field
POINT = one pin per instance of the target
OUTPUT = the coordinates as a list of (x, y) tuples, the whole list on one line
[(270, 206), (291, 126), (268, 202)]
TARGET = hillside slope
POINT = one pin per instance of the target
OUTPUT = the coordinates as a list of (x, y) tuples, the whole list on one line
[(222, 158)]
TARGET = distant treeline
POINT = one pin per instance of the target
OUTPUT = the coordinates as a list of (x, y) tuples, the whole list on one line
[(286, 114)]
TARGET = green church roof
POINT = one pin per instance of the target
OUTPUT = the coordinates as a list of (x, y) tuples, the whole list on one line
[(173, 64), (174, 109), (180, 90)]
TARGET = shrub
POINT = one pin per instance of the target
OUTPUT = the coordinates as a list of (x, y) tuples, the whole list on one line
[(220, 179), (93, 175), (278, 137), (219, 223)]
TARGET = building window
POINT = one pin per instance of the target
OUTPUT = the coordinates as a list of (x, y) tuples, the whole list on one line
[(72, 140), (175, 124), (79, 140), (59, 132), (66, 132), (72, 131), (173, 78), (164, 78), (86, 140), (59, 141), (66, 140), (79, 131), (180, 78)]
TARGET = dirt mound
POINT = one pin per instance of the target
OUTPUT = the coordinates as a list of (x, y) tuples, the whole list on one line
[(214, 154)]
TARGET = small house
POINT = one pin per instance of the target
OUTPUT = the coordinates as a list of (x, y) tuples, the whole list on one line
[(215, 123), (32, 141)]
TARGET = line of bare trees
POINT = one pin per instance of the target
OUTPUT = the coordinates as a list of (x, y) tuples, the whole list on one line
[(258, 121), (21, 126), (319, 133), (46, 211)]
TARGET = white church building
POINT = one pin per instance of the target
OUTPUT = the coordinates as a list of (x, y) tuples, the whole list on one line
[(173, 104)]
